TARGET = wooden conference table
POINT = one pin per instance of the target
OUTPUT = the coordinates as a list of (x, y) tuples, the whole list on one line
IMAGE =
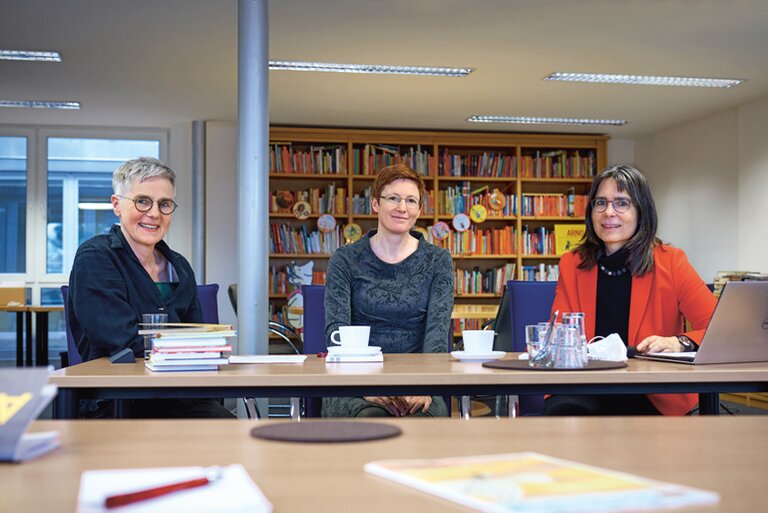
[(399, 374), (721, 454), (24, 318)]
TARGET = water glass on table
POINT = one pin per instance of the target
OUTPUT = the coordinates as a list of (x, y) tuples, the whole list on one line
[(567, 350), (152, 321), (576, 319), (535, 342)]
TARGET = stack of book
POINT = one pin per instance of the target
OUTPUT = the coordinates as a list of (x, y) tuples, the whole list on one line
[(195, 347)]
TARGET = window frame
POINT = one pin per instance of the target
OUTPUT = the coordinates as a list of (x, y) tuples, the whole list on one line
[(36, 275)]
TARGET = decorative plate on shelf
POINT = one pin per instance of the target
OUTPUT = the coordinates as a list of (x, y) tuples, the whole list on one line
[(461, 222), (301, 210), (284, 199), (326, 223), (478, 213), (352, 232), (497, 201), (440, 230)]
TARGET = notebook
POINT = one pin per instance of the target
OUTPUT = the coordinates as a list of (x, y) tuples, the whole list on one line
[(737, 331)]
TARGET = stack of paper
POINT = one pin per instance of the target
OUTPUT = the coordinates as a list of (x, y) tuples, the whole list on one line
[(234, 491), (183, 350), (341, 354)]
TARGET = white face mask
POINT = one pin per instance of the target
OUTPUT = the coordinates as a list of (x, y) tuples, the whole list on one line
[(610, 348)]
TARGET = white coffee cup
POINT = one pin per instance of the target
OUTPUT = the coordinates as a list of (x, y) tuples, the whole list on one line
[(478, 341), (351, 336)]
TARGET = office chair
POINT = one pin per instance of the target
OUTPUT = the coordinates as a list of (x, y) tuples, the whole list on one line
[(314, 335), (73, 355), (208, 295)]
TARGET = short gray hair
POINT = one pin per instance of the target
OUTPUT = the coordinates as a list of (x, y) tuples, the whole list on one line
[(140, 170)]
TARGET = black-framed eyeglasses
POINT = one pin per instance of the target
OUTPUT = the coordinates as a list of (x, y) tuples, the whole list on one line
[(394, 200), (145, 203), (620, 205)]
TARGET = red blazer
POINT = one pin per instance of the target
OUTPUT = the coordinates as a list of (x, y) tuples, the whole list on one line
[(659, 302)]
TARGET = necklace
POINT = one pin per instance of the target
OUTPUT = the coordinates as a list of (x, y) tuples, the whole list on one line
[(617, 272)]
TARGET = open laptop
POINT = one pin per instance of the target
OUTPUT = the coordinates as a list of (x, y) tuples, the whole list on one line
[(737, 331), (503, 324)]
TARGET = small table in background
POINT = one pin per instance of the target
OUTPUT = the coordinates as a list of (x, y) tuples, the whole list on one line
[(24, 324)]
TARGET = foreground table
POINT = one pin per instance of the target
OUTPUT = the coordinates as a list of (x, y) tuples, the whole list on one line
[(693, 451), (400, 374)]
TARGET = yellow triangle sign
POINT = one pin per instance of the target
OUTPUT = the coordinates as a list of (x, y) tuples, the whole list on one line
[(11, 404)]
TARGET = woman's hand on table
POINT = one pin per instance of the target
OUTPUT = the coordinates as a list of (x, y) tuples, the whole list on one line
[(657, 344)]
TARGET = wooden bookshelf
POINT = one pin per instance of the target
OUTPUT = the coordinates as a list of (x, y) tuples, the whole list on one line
[(531, 164)]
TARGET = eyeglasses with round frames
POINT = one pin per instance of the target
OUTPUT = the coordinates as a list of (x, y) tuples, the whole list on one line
[(145, 204), (394, 200), (620, 205)]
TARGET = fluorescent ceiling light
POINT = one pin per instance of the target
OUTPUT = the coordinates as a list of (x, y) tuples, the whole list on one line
[(39, 104), (368, 68), (643, 80), (29, 55), (94, 206), (522, 120)]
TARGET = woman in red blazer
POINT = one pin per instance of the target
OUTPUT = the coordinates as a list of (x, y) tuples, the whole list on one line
[(627, 281)]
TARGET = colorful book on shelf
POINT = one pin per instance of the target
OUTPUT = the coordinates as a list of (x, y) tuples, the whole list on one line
[(24, 393), (568, 237), (531, 482)]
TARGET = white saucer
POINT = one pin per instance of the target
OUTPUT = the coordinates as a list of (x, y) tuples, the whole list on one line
[(469, 357), (357, 351)]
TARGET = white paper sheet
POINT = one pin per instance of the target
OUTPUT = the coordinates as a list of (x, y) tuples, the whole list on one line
[(233, 492)]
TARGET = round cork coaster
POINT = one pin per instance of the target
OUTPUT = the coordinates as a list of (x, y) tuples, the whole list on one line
[(327, 432)]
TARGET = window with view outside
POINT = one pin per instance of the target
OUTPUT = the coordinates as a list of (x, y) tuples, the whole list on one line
[(79, 188), (13, 204)]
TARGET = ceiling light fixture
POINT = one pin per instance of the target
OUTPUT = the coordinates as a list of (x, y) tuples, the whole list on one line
[(29, 55), (368, 68), (643, 80), (523, 120), (39, 104)]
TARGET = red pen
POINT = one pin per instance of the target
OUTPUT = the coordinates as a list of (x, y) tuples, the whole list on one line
[(124, 499)]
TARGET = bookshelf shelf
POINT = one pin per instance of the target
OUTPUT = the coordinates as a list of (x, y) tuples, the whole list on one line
[(559, 219), (540, 257), (288, 215), (313, 176), (542, 174), (462, 256)]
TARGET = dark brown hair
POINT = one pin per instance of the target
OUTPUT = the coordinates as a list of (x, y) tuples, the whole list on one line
[(389, 174), (640, 247)]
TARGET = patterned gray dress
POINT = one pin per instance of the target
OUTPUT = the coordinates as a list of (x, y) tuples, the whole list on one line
[(407, 305)]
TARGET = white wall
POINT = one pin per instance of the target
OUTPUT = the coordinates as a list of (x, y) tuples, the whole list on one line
[(710, 181), (221, 212), (621, 151), (752, 201)]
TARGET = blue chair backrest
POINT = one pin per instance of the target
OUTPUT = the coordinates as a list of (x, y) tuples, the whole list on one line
[(73, 356), (314, 319), (530, 302), (209, 303), (314, 334)]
